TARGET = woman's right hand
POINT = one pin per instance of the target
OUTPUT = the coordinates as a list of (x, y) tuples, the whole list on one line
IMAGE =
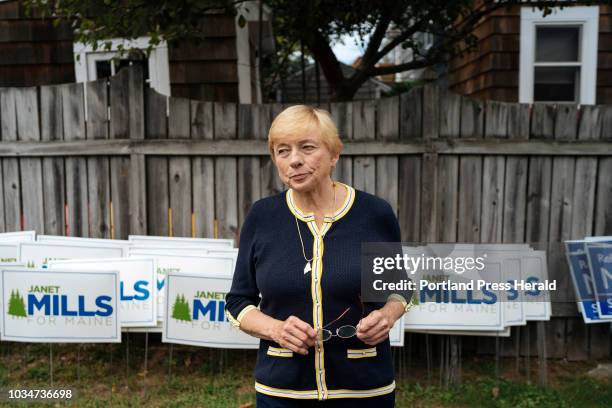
[(294, 334)]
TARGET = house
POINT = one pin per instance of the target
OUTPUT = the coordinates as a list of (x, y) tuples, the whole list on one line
[(224, 67), (522, 56), (291, 91)]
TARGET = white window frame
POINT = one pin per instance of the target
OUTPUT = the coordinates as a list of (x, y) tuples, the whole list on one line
[(585, 16), (159, 70)]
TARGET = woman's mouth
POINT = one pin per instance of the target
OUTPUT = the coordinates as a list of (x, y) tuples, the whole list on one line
[(299, 177)]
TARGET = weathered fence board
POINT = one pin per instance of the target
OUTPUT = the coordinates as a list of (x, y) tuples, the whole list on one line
[(10, 166), (157, 167), (202, 171), (98, 168), (226, 180), (364, 167), (73, 117), (54, 186), (180, 169)]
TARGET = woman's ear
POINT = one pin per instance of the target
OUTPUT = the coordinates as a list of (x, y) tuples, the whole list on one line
[(334, 160)]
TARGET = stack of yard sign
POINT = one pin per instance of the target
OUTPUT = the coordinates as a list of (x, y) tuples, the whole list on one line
[(479, 312), (590, 262)]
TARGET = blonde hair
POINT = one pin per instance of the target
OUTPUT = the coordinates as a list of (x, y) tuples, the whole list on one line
[(298, 120)]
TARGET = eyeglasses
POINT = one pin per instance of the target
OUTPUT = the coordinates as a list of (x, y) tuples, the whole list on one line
[(343, 332)]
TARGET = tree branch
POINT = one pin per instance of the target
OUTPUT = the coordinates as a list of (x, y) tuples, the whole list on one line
[(370, 54), (323, 53)]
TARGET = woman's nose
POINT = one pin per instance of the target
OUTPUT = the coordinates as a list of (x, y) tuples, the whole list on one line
[(295, 158)]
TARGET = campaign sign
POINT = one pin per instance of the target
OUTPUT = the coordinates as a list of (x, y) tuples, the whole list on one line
[(181, 241), (606, 239), (37, 254), (535, 270), (485, 333), (137, 286), (203, 265), (60, 238), (600, 265), (195, 313), (509, 256), (9, 252), (396, 334), (449, 309), (19, 236), (514, 312), (578, 262), (60, 306), (146, 250)]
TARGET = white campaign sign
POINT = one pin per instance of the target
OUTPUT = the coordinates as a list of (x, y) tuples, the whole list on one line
[(536, 303), (203, 265), (146, 250), (60, 238), (501, 333), (60, 306), (477, 311), (9, 252), (396, 334), (181, 241), (195, 313), (37, 254), (137, 286), (20, 236)]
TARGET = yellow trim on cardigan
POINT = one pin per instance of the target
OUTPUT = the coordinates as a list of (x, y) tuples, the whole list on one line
[(236, 321), (279, 352), (307, 217), (317, 272), (361, 353), (313, 394)]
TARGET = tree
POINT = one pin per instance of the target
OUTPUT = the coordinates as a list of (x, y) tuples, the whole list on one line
[(316, 25)]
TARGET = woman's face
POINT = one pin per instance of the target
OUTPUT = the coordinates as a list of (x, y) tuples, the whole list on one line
[(304, 163)]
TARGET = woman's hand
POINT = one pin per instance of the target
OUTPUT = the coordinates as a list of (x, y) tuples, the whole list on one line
[(294, 334), (375, 327)]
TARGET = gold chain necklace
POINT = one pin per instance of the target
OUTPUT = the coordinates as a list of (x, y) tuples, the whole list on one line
[(308, 267)]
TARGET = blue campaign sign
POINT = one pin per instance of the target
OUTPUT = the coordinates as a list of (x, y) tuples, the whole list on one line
[(600, 264), (578, 262)]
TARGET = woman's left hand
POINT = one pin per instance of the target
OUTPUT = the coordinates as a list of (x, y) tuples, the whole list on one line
[(375, 327)]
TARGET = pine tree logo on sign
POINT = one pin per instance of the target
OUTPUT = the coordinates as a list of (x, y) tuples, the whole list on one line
[(16, 306), (180, 309)]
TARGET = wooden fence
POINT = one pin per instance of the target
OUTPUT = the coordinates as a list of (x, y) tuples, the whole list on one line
[(112, 158)]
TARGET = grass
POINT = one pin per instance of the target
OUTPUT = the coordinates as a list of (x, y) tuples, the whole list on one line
[(114, 375)]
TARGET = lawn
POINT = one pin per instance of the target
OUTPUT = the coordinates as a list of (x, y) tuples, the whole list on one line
[(105, 375)]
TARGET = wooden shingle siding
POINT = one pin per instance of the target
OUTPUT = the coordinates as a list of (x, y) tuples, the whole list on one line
[(207, 71), (202, 71), (491, 72), (219, 48), (23, 53), (34, 52), (26, 75), (206, 92)]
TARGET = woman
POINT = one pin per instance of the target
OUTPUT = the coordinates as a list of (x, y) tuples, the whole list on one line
[(297, 280)]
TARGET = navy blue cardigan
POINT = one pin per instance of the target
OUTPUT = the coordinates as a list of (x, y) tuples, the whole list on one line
[(270, 263)]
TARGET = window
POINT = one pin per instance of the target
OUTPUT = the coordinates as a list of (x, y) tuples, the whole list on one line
[(93, 65), (558, 58)]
